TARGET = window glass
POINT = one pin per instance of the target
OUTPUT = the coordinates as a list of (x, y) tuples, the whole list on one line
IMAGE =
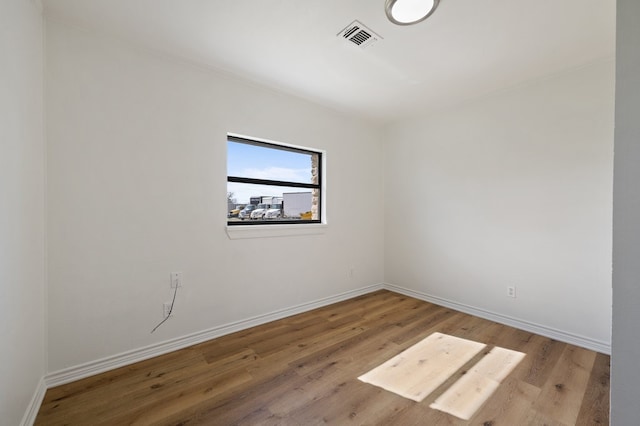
[(269, 183), (263, 162)]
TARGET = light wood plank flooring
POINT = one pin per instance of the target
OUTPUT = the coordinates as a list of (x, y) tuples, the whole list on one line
[(303, 370)]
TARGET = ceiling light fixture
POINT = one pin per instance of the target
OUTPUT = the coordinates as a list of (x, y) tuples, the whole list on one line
[(407, 12)]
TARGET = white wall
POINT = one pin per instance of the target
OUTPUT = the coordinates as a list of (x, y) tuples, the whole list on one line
[(22, 351), (511, 190), (137, 189), (625, 374)]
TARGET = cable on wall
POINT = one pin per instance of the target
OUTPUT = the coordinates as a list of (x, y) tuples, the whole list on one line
[(170, 310)]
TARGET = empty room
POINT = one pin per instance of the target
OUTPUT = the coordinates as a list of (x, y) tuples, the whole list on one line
[(319, 212)]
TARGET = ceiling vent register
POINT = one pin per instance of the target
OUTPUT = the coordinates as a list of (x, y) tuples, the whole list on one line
[(359, 34)]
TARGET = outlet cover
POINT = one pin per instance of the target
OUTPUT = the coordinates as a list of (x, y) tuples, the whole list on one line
[(176, 279)]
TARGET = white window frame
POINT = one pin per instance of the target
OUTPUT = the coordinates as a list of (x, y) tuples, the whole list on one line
[(240, 231)]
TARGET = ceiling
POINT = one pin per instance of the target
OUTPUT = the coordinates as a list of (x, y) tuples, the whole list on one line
[(466, 49)]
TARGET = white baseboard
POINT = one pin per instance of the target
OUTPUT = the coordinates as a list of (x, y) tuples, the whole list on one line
[(563, 336), (78, 372), (34, 405)]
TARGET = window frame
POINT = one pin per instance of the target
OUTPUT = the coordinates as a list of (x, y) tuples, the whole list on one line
[(320, 186)]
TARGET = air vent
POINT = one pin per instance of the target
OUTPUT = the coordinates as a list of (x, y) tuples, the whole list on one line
[(359, 34)]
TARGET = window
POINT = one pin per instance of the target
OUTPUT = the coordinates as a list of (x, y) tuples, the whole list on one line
[(269, 183)]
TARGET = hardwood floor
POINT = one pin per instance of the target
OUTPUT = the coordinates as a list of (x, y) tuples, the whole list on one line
[(303, 370)]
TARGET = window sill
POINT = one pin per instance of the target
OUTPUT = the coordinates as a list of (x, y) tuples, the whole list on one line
[(270, 231)]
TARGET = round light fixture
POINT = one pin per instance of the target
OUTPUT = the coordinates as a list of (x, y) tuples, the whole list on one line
[(407, 12)]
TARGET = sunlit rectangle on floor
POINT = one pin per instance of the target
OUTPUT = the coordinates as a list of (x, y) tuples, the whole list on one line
[(468, 394), (420, 369)]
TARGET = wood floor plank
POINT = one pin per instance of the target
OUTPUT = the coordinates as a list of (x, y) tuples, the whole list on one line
[(543, 353), (419, 370), (595, 404), (143, 382), (479, 383), (510, 405), (237, 407), (446, 321), (180, 402), (563, 393), (302, 370), (331, 354)]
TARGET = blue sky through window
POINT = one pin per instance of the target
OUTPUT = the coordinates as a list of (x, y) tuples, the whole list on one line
[(258, 162)]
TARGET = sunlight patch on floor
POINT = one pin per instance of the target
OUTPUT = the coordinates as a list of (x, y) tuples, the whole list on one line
[(419, 370)]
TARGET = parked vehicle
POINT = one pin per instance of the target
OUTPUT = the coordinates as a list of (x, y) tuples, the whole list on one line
[(259, 211), (246, 212), (275, 212), (266, 199)]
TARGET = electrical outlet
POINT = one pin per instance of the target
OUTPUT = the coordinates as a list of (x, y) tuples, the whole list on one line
[(511, 292), (176, 279), (166, 308)]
